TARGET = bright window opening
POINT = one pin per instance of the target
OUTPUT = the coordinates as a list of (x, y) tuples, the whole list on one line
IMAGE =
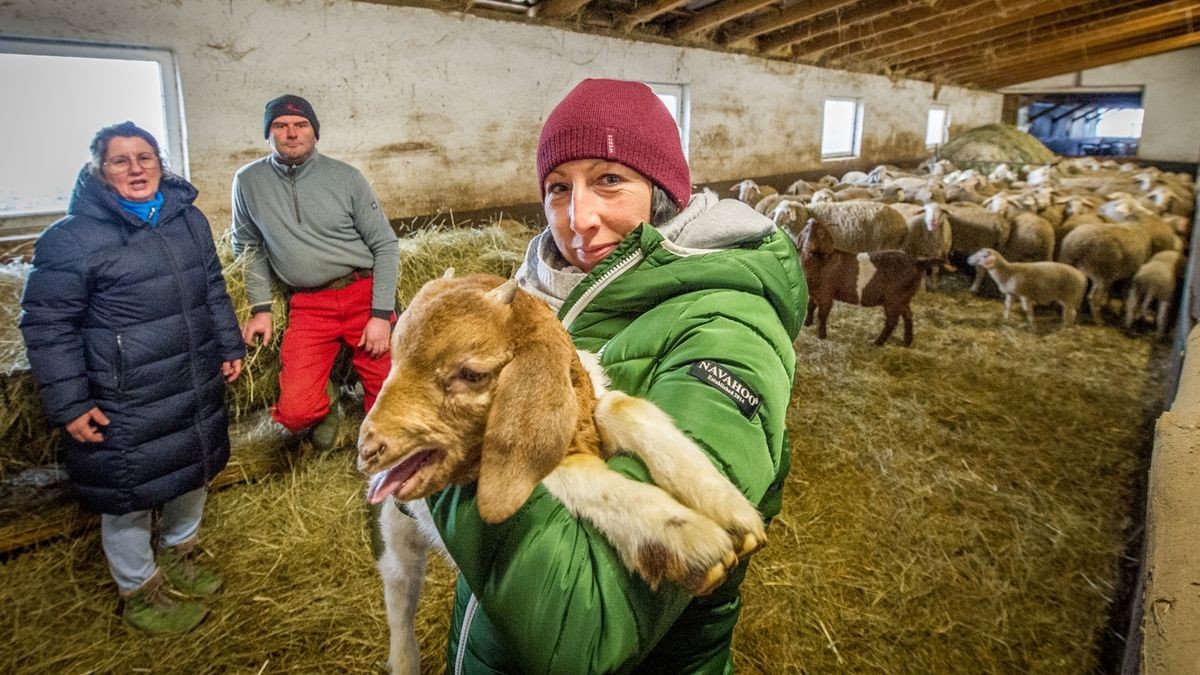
[(937, 127), (1123, 123), (678, 102), (841, 128), (58, 95)]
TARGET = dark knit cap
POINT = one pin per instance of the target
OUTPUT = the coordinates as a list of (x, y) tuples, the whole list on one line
[(621, 122), (290, 104)]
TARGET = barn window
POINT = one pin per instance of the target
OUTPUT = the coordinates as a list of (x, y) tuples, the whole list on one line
[(937, 126), (678, 102), (66, 92), (1120, 123), (841, 128)]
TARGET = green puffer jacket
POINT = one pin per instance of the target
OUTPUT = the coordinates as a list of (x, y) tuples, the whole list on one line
[(550, 594)]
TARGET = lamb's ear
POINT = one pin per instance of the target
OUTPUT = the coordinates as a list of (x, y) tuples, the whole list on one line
[(449, 273), (530, 424)]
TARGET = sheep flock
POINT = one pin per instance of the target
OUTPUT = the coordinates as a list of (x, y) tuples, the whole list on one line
[(1105, 218)]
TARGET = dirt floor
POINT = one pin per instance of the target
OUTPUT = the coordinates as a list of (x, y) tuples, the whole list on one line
[(966, 505)]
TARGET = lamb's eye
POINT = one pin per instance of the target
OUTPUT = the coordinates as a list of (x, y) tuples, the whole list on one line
[(472, 376)]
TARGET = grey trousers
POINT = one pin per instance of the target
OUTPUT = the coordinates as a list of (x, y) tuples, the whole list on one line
[(126, 538)]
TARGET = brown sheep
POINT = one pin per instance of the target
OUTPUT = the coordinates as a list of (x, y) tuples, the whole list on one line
[(889, 278)]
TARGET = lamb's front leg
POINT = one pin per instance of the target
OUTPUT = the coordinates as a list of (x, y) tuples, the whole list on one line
[(656, 536), (402, 567), (678, 466)]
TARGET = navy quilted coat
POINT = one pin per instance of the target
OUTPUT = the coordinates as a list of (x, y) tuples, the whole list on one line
[(133, 320)]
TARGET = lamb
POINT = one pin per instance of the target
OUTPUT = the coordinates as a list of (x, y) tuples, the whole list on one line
[(750, 192), (928, 235), (486, 387), (888, 278), (1034, 283), (1107, 253), (856, 226), (1155, 281)]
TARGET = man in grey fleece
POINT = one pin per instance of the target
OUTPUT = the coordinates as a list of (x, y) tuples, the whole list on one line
[(314, 223)]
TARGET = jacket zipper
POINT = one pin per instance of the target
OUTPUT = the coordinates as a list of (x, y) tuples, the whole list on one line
[(468, 617), (604, 280), (291, 172), (120, 363)]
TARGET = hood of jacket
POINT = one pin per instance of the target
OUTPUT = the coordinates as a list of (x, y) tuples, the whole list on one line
[(92, 198), (675, 258)]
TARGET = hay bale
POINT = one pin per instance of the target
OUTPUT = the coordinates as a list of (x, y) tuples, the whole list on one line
[(985, 147)]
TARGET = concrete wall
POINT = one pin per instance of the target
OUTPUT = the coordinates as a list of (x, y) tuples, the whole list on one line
[(443, 110), (1170, 97)]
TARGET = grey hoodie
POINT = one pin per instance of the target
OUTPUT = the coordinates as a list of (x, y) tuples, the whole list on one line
[(706, 223)]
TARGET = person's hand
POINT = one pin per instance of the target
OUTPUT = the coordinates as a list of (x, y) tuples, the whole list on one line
[(231, 369), (258, 325), (375, 337), (86, 427)]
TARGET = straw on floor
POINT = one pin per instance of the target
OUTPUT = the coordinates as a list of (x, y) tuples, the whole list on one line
[(960, 506)]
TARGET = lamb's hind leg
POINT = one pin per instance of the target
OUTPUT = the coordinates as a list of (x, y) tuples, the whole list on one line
[(656, 536), (678, 466), (402, 567)]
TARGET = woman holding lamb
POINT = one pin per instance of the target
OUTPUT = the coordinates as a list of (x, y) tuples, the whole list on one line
[(131, 337), (692, 303)]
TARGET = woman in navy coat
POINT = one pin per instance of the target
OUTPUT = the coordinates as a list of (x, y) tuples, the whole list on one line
[(132, 337)]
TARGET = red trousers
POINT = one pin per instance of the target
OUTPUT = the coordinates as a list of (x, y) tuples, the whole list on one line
[(318, 324)]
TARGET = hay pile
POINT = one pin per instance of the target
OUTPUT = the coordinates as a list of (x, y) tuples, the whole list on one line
[(961, 506), (985, 147)]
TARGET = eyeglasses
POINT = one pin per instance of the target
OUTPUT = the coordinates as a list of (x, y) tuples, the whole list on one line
[(122, 164)]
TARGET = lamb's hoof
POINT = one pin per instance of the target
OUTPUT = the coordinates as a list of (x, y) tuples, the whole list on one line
[(711, 581), (750, 543)]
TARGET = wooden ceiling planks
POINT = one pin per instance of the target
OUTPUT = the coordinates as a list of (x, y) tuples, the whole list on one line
[(976, 43)]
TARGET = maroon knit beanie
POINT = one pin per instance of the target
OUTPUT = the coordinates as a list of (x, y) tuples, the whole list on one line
[(618, 121)]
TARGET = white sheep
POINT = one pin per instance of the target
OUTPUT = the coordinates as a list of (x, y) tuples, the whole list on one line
[(929, 235), (1034, 283), (438, 422), (750, 192), (1031, 237), (973, 227), (856, 226), (1156, 281), (1106, 253)]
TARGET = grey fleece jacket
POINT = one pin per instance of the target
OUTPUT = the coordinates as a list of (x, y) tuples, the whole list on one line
[(311, 224)]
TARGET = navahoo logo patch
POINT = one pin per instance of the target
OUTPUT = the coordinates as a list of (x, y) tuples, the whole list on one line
[(716, 376)]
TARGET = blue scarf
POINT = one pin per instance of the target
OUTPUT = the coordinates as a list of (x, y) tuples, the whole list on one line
[(147, 211)]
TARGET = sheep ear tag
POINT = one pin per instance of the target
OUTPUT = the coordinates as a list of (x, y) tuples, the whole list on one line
[(718, 377)]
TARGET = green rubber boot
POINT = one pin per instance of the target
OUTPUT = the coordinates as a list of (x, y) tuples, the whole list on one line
[(182, 567), (154, 610), (324, 435)]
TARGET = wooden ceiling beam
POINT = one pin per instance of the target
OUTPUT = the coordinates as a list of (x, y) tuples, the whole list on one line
[(1054, 120), (1040, 113), (715, 16), (1020, 74), (801, 11), (917, 36), (1033, 37), (560, 9), (881, 34), (1082, 42), (832, 27), (643, 13)]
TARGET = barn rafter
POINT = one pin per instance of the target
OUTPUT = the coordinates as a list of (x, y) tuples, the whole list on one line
[(973, 43)]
